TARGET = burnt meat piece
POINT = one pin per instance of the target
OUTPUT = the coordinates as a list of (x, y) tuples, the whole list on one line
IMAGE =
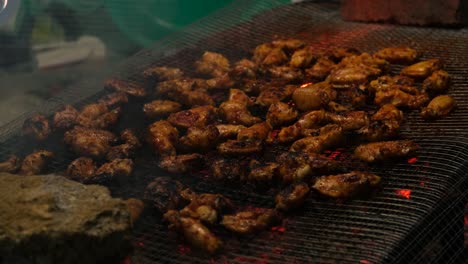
[(65, 118), (384, 124), (292, 196), (275, 94), (11, 165), (250, 221), (81, 169), (122, 151), (379, 151), (320, 70), (164, 194), (127, 87), (438, 107), (228, 170), (162, 137), (346, 185), (36, 162), (189, 92), (36, 127), (89, 142)]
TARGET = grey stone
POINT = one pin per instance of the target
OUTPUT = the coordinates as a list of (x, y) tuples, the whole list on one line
[(50, 219)]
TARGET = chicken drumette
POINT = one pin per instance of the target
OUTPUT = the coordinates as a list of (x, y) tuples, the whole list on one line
[(36, 127), (89, 142), (385, 150), (246, 222), (36, 162), (346, 185), (164, 194)]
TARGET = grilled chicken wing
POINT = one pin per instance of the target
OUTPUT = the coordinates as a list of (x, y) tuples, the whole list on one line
[(198, 116), (329, 136), (11, 165), (236, 113), (312, 119), (65, 118), (164, 194), (292, 197), (97, 116), (387, 82), (320, 70), (440, 106), (268, 55), (239, 96), (161, 108), (226, 169), (200, 138), (313, 96), (194, 232), (89, 142), (378, 151), (122, 151), (262, 172), (163, 137), (246, 222), (127, 87), (346, 185), (353, 120), (286, 73), (302, 58), (36, 127), (189, 92), (244, 69), (273, 95), (401, 96), (36, 162), (213, 64), (229, 131), (403, 55), (114, 99), (384, 124), (237, 147), (129, 137), (439, 81), (206, 207), (280, 114), (257, 132), (163, 73), (182, 163), (81, 169), (111, 170), (289, 44), (422, 69)]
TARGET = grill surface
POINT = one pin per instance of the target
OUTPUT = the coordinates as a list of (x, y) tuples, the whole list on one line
[(387, 228)]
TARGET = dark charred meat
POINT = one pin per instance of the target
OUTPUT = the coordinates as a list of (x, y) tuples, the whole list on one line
[(164, 194), (246, 222), (11, 165), (81, 169), (385, 150), (280, 114), (161, 108), (292, 197), (257, 132), (36, 127), (129, 137), (189, 92), (89, 142), (122, 151), (346, 185), (384, 124), (403, 55), (227, 170), (440, 106), (274, 95), (237, 147), (36, 162), (127, 87), (337, 54), (182, 163), (65, 118), (197, 116)]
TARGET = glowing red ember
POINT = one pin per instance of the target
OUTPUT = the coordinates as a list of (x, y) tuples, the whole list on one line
[(364, 261), (405, 193), (278, 229), (412, 160), (183, 249), (465, 220)]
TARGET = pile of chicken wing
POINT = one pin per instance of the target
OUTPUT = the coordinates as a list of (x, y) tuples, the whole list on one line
[(264, 120)]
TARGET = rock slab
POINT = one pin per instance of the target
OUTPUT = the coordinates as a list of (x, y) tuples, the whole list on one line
[(50, 219)]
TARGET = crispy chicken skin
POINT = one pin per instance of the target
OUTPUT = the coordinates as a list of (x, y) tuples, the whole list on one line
[(228, 131), (114, 169), (239, 96), (200, 138), (286, 73), (36, 127), (135, 207), (438, 107), (122, 151), (292, 196), (227, 170), (198, 116), (330, 135), (36, 162), (384, 124), (81, 169), (346, 185), (262, 172), (422, 69), (302, 58), (213, 64), (244, 68), (236, 147), (163, 137), (280, 114), (246, 222), (237, 113), (189, 92), (313, 96), (161, 108), (194, 232), (385, 150), (164, 194), (65, 118), (400, 55), (320, 70), (401, 96), (312, 119), (257, 132), (11, 165), (207, 206), (127, 87), (438, 81), (97, 116), (353, 120), (337, 54), (182, 163), (163, 73), (129, 137), (300, 166), (89, 142), (268, 55), (273, 95), (387, 82)]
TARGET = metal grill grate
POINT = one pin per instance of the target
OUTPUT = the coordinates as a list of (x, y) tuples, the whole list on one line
[(387, 228)]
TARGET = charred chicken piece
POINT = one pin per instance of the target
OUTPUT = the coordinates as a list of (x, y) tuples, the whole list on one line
[(98, 116), (89, 142), (189, 92), (11, 165), (302, 58), (65, 118), (274, 95), (220, 82), (313, 96), (127, 87), (300, 166), (237, 113), (230, 170), (337, 54), (286, 73), (206, 207), (135, 207), (388, 82), (36, 162), (257, 132), (330, 135), (239, 96), (313, 119), (36, 127), (438, 107), (112, 170), (164, 194), (229, 131), (346, 185), (244, 69), (92, 111), (280, 114), (384, 150), (246, 222), (161, 108), (292, 197), (439, 81), (384, 124), (114, 99), (198, 116), (129, 137), (320, 70), (236, 147), (194, 232), (200, 138), (401, 96), (81, 169), (402, 55), (182, 163), (262, 172), (213, 64), (353, 120), (289, 44), (354, 97), (163, 137), (422, 69), (163, 73), (268, 55), (122, 151)]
